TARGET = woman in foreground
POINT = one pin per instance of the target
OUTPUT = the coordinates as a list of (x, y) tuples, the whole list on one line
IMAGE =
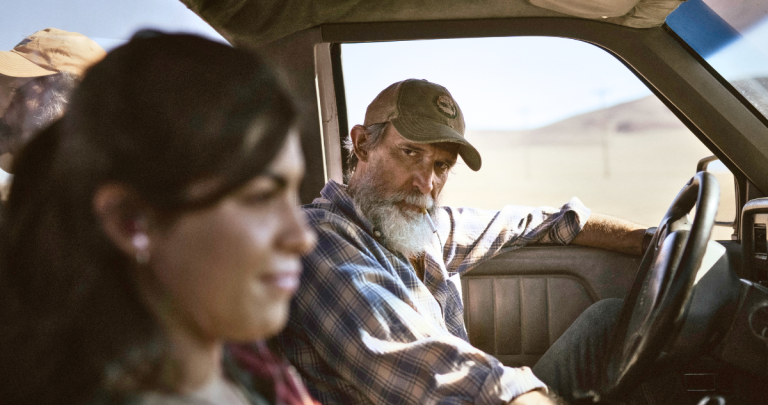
[(150, 225)]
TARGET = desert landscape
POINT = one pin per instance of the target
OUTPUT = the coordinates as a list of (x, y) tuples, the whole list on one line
[(629, 160)]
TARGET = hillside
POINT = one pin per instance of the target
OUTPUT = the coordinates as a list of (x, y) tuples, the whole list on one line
[(647, 113), (626, 119)]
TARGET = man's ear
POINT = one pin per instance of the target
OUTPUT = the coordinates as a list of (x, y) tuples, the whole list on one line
[(359, 136), (123, 218)]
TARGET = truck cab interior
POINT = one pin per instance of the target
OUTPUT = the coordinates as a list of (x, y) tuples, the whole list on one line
[(693, 307), (696, 304)]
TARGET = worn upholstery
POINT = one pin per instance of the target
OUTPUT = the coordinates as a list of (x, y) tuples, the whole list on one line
[(517, 304)]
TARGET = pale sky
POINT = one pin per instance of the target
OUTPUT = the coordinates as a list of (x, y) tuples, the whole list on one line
[(500, 83), (108, 22), (522, 82)]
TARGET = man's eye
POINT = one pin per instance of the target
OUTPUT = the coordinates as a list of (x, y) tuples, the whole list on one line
[(409, 152)]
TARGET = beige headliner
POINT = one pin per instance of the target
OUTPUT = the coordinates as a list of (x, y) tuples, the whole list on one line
[(256, 22)]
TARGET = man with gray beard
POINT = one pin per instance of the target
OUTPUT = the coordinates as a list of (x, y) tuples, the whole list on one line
[(403, 231), (378, 318), (36, 77)]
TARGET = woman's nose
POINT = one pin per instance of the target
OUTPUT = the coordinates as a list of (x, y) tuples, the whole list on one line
[(297, 237)]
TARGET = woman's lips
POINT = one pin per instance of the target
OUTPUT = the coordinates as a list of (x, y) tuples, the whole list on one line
[(287, 281)]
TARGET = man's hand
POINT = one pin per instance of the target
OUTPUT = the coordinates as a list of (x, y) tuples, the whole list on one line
[(606, 232), (536, 397)]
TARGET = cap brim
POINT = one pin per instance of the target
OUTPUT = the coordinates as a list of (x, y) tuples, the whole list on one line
[(426, 131), (15, 65)]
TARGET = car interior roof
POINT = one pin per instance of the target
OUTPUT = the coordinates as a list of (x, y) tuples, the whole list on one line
[(258, 22)]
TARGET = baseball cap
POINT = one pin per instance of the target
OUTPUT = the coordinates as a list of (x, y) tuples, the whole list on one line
[(51, 51), (423, 112)]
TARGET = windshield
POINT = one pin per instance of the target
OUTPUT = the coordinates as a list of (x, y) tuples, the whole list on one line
[(732, 36)]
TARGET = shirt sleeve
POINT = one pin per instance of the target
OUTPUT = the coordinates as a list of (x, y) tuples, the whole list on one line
[(473, 235), (363, 325)]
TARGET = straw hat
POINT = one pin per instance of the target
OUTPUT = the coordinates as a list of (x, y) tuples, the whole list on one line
[(50, 51)]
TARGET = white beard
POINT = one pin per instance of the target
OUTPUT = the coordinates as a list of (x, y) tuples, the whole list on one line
[(406, 232)]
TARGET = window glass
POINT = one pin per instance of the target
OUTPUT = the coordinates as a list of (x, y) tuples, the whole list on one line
[(732, 36), (109, 23), (552, 118)]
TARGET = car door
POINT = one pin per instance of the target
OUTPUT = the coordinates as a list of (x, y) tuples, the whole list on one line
[(518, 303)]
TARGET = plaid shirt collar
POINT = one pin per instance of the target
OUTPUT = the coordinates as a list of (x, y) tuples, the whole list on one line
[(338, 195)]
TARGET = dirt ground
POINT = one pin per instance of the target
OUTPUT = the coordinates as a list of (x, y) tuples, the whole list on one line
[(633, 176)]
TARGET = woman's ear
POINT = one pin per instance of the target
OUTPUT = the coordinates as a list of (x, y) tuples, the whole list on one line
[(123, 219), (359, 136)]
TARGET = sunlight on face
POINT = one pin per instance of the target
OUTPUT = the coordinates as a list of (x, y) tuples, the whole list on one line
[(8, 87), (231, 269), (396, 182), (410, 167)]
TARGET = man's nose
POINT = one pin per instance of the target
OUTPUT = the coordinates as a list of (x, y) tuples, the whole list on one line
[(424, 179)]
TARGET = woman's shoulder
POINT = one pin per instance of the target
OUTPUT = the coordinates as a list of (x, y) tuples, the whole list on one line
[(158, 398), (240, 394)]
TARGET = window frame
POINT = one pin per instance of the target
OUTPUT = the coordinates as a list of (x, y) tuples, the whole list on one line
[(688, 87)]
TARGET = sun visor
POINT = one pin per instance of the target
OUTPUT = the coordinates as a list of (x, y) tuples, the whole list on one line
[(630, 13), (588, 8), (256, 22)]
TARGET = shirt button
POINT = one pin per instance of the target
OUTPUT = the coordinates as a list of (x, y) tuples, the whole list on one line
[(377, 233)]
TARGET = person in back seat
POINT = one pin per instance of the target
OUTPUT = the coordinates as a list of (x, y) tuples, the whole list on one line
[(378, 317), (36, 77)]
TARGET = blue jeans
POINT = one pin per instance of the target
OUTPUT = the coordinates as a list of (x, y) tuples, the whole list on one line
[(575, 360)]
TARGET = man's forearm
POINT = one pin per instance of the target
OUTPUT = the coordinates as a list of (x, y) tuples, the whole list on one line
[(606, 232)]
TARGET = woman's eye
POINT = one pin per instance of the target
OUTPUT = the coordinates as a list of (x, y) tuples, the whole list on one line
[(259, 197)]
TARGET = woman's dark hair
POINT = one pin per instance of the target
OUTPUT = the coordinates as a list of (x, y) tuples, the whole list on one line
[(157, 115)]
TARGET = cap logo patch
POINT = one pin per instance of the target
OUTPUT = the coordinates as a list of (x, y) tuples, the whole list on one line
[(446, 106)]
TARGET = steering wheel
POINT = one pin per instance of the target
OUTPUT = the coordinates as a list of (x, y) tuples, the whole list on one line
[(656, 305)]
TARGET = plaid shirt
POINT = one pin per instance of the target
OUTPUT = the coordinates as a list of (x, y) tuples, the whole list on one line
[(365, 329)]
